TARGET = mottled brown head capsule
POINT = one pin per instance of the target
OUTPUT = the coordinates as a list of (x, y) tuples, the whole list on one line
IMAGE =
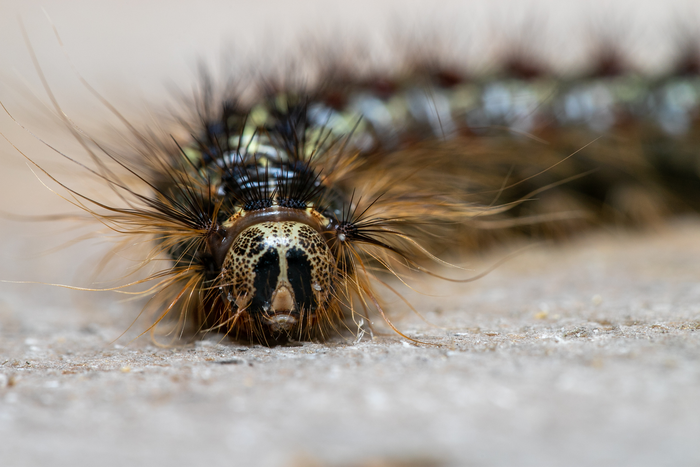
[(279, 273)]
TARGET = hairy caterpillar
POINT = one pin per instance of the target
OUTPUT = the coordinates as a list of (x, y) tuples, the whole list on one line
[(269, 217), (340, 169)]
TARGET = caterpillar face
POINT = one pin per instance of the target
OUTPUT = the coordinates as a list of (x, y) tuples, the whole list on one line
[(279, 274)]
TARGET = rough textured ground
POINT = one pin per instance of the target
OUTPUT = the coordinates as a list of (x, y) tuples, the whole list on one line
[(581, 354)]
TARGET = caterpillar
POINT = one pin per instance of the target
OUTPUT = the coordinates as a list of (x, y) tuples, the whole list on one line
[(279, 210), (269, 217)]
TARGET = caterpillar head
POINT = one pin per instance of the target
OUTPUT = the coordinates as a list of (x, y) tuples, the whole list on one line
[(279, 277)]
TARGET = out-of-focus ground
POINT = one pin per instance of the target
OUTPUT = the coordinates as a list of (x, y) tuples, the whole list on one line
[(585, 353)]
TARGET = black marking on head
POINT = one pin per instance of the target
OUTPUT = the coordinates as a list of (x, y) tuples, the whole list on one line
[(299, 276), (267, 271)]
